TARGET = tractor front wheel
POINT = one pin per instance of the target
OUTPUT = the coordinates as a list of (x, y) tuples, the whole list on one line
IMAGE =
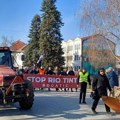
[(27, 102)]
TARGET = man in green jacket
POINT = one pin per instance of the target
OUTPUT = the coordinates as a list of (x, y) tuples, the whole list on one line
[(83, 79)]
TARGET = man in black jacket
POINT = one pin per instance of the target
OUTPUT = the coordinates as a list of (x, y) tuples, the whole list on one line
[(64, 72), (49, 72), (71, 72), (99, 87)]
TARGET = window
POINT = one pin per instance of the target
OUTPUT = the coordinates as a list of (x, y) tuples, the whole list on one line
[(5, 58), (77, 46), (22, 57), (77, 57)]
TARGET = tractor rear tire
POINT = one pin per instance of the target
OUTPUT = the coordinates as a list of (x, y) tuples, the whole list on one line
[(27, 102)]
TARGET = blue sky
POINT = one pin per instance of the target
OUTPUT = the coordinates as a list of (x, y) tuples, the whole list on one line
[(16, 17)]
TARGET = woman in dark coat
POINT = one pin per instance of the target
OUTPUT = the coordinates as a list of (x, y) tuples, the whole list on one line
[(99, 87)]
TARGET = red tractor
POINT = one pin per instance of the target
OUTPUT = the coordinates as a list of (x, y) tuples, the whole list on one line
[(13, 88)]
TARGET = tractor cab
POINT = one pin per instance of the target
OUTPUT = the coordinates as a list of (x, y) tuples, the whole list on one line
[(5, 57)]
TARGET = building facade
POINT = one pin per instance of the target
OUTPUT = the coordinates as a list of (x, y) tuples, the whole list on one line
[(90, 52), (97, 51), (72, 53)]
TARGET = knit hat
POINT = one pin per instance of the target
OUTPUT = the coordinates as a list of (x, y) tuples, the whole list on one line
[(101, 69)]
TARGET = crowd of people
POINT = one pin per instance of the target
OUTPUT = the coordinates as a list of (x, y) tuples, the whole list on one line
[(105, 80), (49, 71), (102, 82)]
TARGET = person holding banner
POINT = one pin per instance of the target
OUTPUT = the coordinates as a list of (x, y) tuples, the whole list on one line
[(26, 70), (83, 79), (77, 74), (49, 72), (71, 72), (64, 72), (57, 72), (33, 70), (41, 72)]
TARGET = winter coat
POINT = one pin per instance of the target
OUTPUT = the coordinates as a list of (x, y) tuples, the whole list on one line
[(100, 85), (113, 79), (50, 72), (41, 71), (71, 72), (63, 73)]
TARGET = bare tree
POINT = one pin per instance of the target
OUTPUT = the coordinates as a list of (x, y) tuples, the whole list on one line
[(99, 52), (101, 17), (6, 42)]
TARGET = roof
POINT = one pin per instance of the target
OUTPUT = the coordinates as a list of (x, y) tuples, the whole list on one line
[(86, 38), (18, 46), (96, 35)]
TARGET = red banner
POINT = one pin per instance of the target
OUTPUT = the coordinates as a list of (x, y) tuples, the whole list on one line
[(51, 81)]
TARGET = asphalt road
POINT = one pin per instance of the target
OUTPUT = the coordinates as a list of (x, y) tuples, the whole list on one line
[(56, 106)]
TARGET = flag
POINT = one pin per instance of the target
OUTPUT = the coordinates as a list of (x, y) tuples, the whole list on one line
[(41, 57)]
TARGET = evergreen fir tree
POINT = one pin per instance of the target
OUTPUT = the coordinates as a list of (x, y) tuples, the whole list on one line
[(32, 50), (51, 38)]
